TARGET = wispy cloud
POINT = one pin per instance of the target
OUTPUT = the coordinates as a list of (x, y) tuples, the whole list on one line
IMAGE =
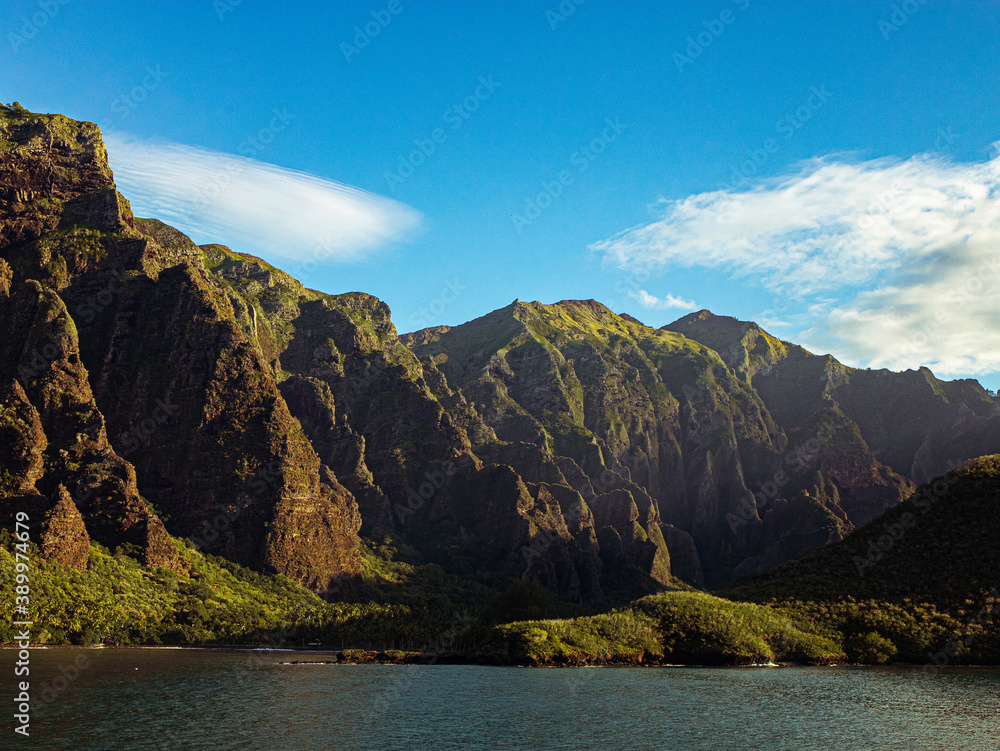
[(903, 251), (653, 302), (252, 206)]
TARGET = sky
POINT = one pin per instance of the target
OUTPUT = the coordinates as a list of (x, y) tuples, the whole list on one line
[(829, 170)]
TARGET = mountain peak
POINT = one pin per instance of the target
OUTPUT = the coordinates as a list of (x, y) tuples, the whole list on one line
[(701, 315), (591, 305), (706, 316)]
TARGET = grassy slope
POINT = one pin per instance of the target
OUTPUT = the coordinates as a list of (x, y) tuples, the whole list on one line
[(938, 546), (118, 601), (920, 583), (674, 627)]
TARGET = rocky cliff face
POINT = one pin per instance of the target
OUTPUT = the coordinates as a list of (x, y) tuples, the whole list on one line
[(938, 546), (263, 420), (400, 448), (150, 385), (661, 438), (129, 380), (913, 423)]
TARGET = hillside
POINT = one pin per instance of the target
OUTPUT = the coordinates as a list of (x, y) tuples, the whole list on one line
[(154, 391), (655, 416), (921, 583), (937, 546), (914, 423)]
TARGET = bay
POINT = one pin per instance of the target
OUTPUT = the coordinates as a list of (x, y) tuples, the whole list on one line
[(206, 699)]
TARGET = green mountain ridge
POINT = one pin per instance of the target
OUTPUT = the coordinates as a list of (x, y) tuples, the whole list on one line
[(920, 584), (936, 546), (153, 390)]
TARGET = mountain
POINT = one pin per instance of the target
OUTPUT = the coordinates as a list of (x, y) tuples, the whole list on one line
[(153, 389), (132, 383), (914, 423), (920, 584), (937, 546), (156, 382), (738, 477)]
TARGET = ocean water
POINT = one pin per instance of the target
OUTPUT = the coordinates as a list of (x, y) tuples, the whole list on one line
[(194, 699)]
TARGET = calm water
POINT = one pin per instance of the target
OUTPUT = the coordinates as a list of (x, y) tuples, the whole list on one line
[(174, 699)]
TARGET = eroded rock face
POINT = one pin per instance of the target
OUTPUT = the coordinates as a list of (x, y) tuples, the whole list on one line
[(64, 535), (912, 423), (710, 428), (273, 424), (58, 435), (53, 173), (144, 379), (22, 443), (403, 449)]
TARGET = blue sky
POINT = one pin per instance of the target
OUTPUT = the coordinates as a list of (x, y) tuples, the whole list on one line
[(827, 169)]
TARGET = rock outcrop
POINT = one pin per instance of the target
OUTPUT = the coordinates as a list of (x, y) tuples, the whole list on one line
[(148, 388), (64, 535)]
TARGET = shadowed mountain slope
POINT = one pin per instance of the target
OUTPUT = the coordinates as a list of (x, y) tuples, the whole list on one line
[(150, 385)]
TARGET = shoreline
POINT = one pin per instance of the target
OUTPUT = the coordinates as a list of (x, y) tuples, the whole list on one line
[(405, 657)]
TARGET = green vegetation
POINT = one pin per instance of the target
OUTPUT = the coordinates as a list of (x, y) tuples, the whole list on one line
[(116, 600), (920, 584), (395, 573), (937, 546), (678, 627), (578, 434), (619, 637), (874, 632)]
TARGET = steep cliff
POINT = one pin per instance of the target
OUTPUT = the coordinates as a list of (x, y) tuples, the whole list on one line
[(149, 385), (913, 423), (126, 354), (651, 428)]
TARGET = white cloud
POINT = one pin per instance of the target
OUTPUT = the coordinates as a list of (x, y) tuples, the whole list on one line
[(253, 206), (653, 302), (906, 249), (947, 319)]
